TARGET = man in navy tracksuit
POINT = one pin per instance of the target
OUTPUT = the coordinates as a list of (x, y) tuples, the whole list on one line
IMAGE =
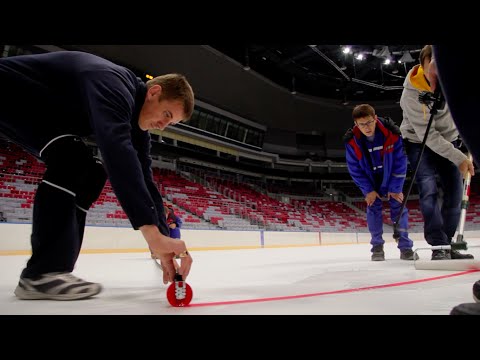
[(48, 102), (378, 165)]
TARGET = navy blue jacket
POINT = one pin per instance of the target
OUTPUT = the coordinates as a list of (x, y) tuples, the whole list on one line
[(82, 94), (391, 152)]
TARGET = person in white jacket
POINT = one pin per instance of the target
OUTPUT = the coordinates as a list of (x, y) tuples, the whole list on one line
[(441, 159)]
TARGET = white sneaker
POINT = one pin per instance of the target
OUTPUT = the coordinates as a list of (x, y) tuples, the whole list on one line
[(56, 286)]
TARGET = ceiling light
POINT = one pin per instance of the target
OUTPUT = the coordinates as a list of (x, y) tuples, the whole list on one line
[(383, 52), (406, 57), (246, 67)]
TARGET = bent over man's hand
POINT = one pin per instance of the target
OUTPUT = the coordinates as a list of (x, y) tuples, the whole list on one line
[(396, 196), (371, 197), (165, 249)]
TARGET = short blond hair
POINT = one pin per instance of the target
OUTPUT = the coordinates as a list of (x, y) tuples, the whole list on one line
[(425, 54), (175, 87)]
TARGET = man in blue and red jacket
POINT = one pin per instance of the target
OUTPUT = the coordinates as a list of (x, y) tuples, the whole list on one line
[(174, 223), (377, 164)]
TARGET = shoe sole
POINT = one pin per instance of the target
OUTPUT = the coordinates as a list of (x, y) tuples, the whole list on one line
[(23, 294), (466, 309), (476, 292)]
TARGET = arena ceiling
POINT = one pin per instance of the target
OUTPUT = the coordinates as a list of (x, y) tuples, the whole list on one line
[(327, 71), (307, 89)]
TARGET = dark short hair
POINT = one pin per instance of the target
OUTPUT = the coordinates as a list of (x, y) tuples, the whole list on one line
[(362, 110)]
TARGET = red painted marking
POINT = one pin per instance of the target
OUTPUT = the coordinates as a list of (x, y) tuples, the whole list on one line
[(409, 282)]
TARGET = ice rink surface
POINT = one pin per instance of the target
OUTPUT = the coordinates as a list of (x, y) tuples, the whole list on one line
[(319, 280)]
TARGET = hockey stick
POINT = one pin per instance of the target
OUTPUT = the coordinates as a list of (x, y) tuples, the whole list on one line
[(424, 97), (460, 244)]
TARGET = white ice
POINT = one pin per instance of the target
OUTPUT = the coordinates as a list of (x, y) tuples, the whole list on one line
[(133, 283)]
